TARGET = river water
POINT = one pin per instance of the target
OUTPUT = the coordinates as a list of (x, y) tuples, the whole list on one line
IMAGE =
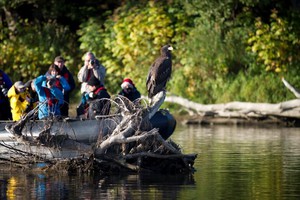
[(233, 163)]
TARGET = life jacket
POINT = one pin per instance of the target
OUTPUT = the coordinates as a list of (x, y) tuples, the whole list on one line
[(50, 100)]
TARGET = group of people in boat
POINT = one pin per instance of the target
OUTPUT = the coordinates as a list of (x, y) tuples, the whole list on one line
[(50, 92)]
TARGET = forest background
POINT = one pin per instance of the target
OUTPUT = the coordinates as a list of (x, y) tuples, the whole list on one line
[(229, 50)]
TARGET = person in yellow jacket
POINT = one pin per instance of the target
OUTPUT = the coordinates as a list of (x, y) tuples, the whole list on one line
[(19, 99)]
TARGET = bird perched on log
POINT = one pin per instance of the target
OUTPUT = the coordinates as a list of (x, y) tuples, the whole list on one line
[(160, 72)]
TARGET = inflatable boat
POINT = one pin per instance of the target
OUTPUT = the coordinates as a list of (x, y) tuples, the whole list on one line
[(87, 131)]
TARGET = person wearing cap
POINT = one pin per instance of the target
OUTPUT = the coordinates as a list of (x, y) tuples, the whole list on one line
[(50, 97), (5, 85), (97, 100), (91, 67), (129, 90), (64, 72), (19, 100)]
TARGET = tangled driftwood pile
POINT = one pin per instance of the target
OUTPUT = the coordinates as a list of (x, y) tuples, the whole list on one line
[(133, 145)]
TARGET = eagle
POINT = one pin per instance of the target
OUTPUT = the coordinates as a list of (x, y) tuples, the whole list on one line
[(160, 72)]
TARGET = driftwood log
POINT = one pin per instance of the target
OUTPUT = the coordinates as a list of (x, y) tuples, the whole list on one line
[(284, 113), (132, 146)]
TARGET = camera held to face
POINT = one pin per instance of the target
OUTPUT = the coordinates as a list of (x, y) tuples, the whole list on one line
[(92, 62)]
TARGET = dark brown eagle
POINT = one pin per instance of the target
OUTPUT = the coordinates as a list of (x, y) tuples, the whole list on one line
[(160, 72)]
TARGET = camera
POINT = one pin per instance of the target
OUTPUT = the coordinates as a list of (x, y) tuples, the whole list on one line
[(92, 62), (3, 90)]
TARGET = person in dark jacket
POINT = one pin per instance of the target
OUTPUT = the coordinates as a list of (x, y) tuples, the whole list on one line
[(5, 85), (97, 98), (34, 98), (64, 72), (129, 90)]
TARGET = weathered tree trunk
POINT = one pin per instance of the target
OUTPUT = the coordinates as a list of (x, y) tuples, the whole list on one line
[(240, 109), (284, 112)]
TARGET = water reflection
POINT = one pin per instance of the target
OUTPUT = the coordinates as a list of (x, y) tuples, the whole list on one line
[(245, 163), (143, 186), (232, 163)]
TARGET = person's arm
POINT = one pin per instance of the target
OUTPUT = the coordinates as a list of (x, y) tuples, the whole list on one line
[(82, 74), (100, 73), (38, 83), (25, 102), (13, 98), (65, 85), (57, 93)]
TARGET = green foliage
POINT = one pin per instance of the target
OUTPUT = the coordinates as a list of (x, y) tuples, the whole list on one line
[(244, 88), (222, 48), (273, 43), (211, 56), (31, 50), (131, 38)]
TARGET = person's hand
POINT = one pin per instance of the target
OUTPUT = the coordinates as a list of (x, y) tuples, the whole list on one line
[(91, 95), (58, 76), (91, 64), (49, 77), (4, 91), (49, 84)]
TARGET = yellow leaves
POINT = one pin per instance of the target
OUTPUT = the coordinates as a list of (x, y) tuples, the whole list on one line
[(278, 70), (259, 32), (272, 43), (137, 33), (254, 48)]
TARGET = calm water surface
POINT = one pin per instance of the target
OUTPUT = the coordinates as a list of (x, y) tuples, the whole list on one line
[(233, 163)]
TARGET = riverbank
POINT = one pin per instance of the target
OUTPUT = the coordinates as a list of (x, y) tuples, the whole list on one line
[(247, 121)]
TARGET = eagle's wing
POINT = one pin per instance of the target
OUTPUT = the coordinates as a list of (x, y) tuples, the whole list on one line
[(158, 76)]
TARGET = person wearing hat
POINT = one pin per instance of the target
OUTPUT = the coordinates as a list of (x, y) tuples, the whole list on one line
[(64, 72), (129, 90), (19, 100), (50, 97), (91, 67), (97, 100), (5, 84)]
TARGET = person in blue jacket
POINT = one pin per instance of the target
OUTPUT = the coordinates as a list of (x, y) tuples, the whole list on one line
[(60, 81), (5, 85), (50, 97)]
